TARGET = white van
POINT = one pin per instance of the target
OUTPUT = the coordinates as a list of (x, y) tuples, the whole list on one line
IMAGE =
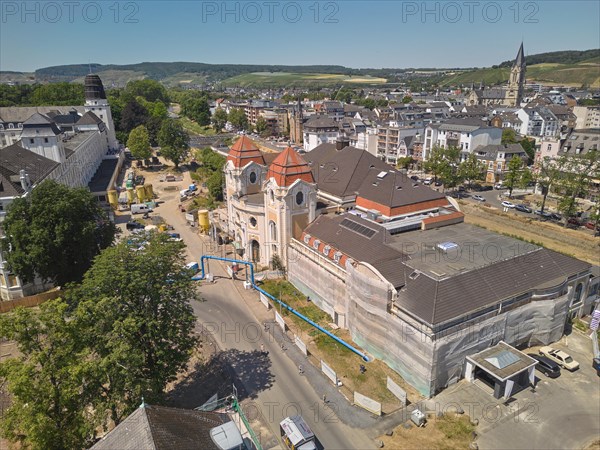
[(140, 208), (296, 434), (428, 181)]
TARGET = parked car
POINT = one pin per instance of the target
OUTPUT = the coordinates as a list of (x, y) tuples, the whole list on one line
[(596, 365), (563, 359), (175, 237), (574, 221), (414, 178), (523, 208), (546, 365), (486, 188), (428, 181), (498, 186), (508, 204), (590, 225), (438, 183), (133, 225), (479, 198), (555, 216), (544, 214)]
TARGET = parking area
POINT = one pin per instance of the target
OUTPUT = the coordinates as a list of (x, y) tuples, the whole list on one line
[(563, 412)]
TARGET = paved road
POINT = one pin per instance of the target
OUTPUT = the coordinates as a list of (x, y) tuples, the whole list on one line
[(272, 383)]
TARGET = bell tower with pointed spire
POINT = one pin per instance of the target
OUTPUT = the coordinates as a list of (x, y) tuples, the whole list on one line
[(516, 82)]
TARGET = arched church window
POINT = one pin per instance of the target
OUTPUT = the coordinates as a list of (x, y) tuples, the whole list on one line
[(299, 198), (253, 177)]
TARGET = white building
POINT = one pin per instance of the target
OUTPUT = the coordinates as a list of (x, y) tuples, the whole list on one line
[(538, 121), (319, 130)]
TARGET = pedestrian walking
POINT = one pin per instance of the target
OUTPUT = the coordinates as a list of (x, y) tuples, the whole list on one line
[(300, 369), (324, 399), (262, 348)]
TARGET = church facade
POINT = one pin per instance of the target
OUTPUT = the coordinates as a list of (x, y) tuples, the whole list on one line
[(510, 95)]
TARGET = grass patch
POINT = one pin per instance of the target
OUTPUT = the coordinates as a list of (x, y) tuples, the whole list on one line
[(193, 127), (449, 432)]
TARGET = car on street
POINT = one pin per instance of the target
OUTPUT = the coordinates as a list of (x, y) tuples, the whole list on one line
[(590, 225), (507, 204), (544, 214), (546, 365), (574, 221), (498, 186), (555, 216), (479, 198), (523, 208), (133, 225), (596, 365), (438, 183), (563, 359), (176, 237), (414, 178), (428, 181)]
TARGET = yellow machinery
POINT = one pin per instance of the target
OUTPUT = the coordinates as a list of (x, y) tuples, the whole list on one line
[(203, 221), (149, 192), (141, 194), (113, 199), (130, 196)]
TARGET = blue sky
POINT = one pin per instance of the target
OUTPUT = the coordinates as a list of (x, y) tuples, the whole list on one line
[(351, 33)]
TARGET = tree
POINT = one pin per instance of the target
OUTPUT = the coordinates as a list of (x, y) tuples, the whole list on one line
[(577, 171), (261, 125), (215, 184), (174, 141), (57, 94), (407, 99), (404, 162), (529, 147), (150, 90), (548, 173), (238, 119), (509, 136), (517, 175), (55, 232), (133, 115), (471, 169), (48, 381), (196, 109), (219, 119), (139, 143), (436, 164), (134, 305)]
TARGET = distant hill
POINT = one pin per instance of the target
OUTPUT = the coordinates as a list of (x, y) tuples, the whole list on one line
[(574, 68)]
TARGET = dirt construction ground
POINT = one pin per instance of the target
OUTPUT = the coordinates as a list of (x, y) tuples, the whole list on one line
[(576, 243)]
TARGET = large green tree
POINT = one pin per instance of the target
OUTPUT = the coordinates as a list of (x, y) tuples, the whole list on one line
[(139, 143), (509, 136), (133, 115), (134, 305), (577, 173), (55, 232), (547, 175), (219, 119), (238, 118), (471, 169), (517, 175), (174, 141), (150, 90), (48, 381)]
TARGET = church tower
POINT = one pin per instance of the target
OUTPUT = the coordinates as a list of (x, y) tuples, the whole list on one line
[(290, 201), (96, 102), (296, 124), (516, 82)]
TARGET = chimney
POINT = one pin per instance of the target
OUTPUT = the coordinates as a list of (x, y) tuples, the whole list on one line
[(342, 142)]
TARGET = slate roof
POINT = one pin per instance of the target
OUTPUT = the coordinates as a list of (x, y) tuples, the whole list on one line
[(39, 120), (15, 158), (372, 250), (22, 113), (89, 118), (161, 428), (316, 122), (491, 151), (467, 124), (437, 301), (395, 189), (288, 167), (341, 172)]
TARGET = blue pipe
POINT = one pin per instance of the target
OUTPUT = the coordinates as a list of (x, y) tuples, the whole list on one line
[(289, 308), (219, 258)]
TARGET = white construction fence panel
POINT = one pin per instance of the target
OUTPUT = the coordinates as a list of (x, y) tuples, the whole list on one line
[(329, 373), (265, 300), (279, 320), (301, 345), (367, 403), (396, 390)]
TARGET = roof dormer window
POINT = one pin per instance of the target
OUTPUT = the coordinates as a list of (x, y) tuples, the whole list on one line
[(316, 244)]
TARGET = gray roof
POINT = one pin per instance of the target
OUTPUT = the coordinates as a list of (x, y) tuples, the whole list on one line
[(320, 121), (341, 172), (22, 113), (157, 427), (441, 298), (395, 189), (466, 124), (584, 139), (89, 118), (491, 151), (15, 158), (512, 361), (372, 250)]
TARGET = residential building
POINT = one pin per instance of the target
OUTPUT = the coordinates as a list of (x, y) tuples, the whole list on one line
[(496, 158), (467, 134), (587, 117), (392, 142), (538, 121), (319, 130)]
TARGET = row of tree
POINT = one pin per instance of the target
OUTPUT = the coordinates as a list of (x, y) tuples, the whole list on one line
[(58, 94), (119, 334)]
